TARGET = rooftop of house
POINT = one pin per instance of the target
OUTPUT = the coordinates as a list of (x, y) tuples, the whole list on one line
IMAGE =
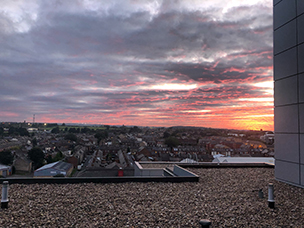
[(59, 165), (226, 196)]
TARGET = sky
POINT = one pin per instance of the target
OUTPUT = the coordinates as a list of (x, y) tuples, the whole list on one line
[(204, 63)]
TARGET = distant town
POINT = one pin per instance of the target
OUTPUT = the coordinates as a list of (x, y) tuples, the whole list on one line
[(28, 149)]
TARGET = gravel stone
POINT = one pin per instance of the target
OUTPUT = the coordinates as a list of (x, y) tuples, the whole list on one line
[(227, 196)]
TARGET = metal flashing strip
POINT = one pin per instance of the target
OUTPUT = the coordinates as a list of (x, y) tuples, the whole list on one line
[(77, 180)]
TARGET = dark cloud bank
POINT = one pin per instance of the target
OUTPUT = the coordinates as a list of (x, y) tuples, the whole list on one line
[(111, 63)]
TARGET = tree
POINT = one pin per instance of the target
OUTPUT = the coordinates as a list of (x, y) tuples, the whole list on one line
[(55, 130), (59, 156), (72, 130), (12, 130), (6, 157), (18, 131), (51, 125), (101, 135), (85, 130), (37, 156), (172, 142), (71, 137), (23, 131), (34, 142)]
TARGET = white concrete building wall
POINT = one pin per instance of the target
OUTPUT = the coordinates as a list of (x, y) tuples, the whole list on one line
[(152, 172), (289, 90), (181, 172)]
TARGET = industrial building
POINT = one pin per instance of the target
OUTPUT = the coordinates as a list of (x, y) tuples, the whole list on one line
[(58, 168)]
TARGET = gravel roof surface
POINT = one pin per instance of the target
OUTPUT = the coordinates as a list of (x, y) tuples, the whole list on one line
[(227, 196)]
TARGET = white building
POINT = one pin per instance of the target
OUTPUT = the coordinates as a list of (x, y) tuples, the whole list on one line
[(268, 138)]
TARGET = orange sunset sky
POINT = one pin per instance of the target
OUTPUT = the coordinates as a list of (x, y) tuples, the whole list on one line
[(147, 63)]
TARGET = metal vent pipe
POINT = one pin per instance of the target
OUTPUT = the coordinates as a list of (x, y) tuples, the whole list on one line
[(4, 199), (270, 196)]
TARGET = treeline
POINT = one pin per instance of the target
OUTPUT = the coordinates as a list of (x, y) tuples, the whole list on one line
[(84, 130), (92, 130), (15, 131)]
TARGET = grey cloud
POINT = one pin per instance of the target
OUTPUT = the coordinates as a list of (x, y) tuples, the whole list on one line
[(69, 48)]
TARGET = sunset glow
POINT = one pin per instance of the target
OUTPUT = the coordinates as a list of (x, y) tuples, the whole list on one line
[(173, 87), (146, 63)]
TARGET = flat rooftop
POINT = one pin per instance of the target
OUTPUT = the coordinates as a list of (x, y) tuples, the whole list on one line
[(226, 196)]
